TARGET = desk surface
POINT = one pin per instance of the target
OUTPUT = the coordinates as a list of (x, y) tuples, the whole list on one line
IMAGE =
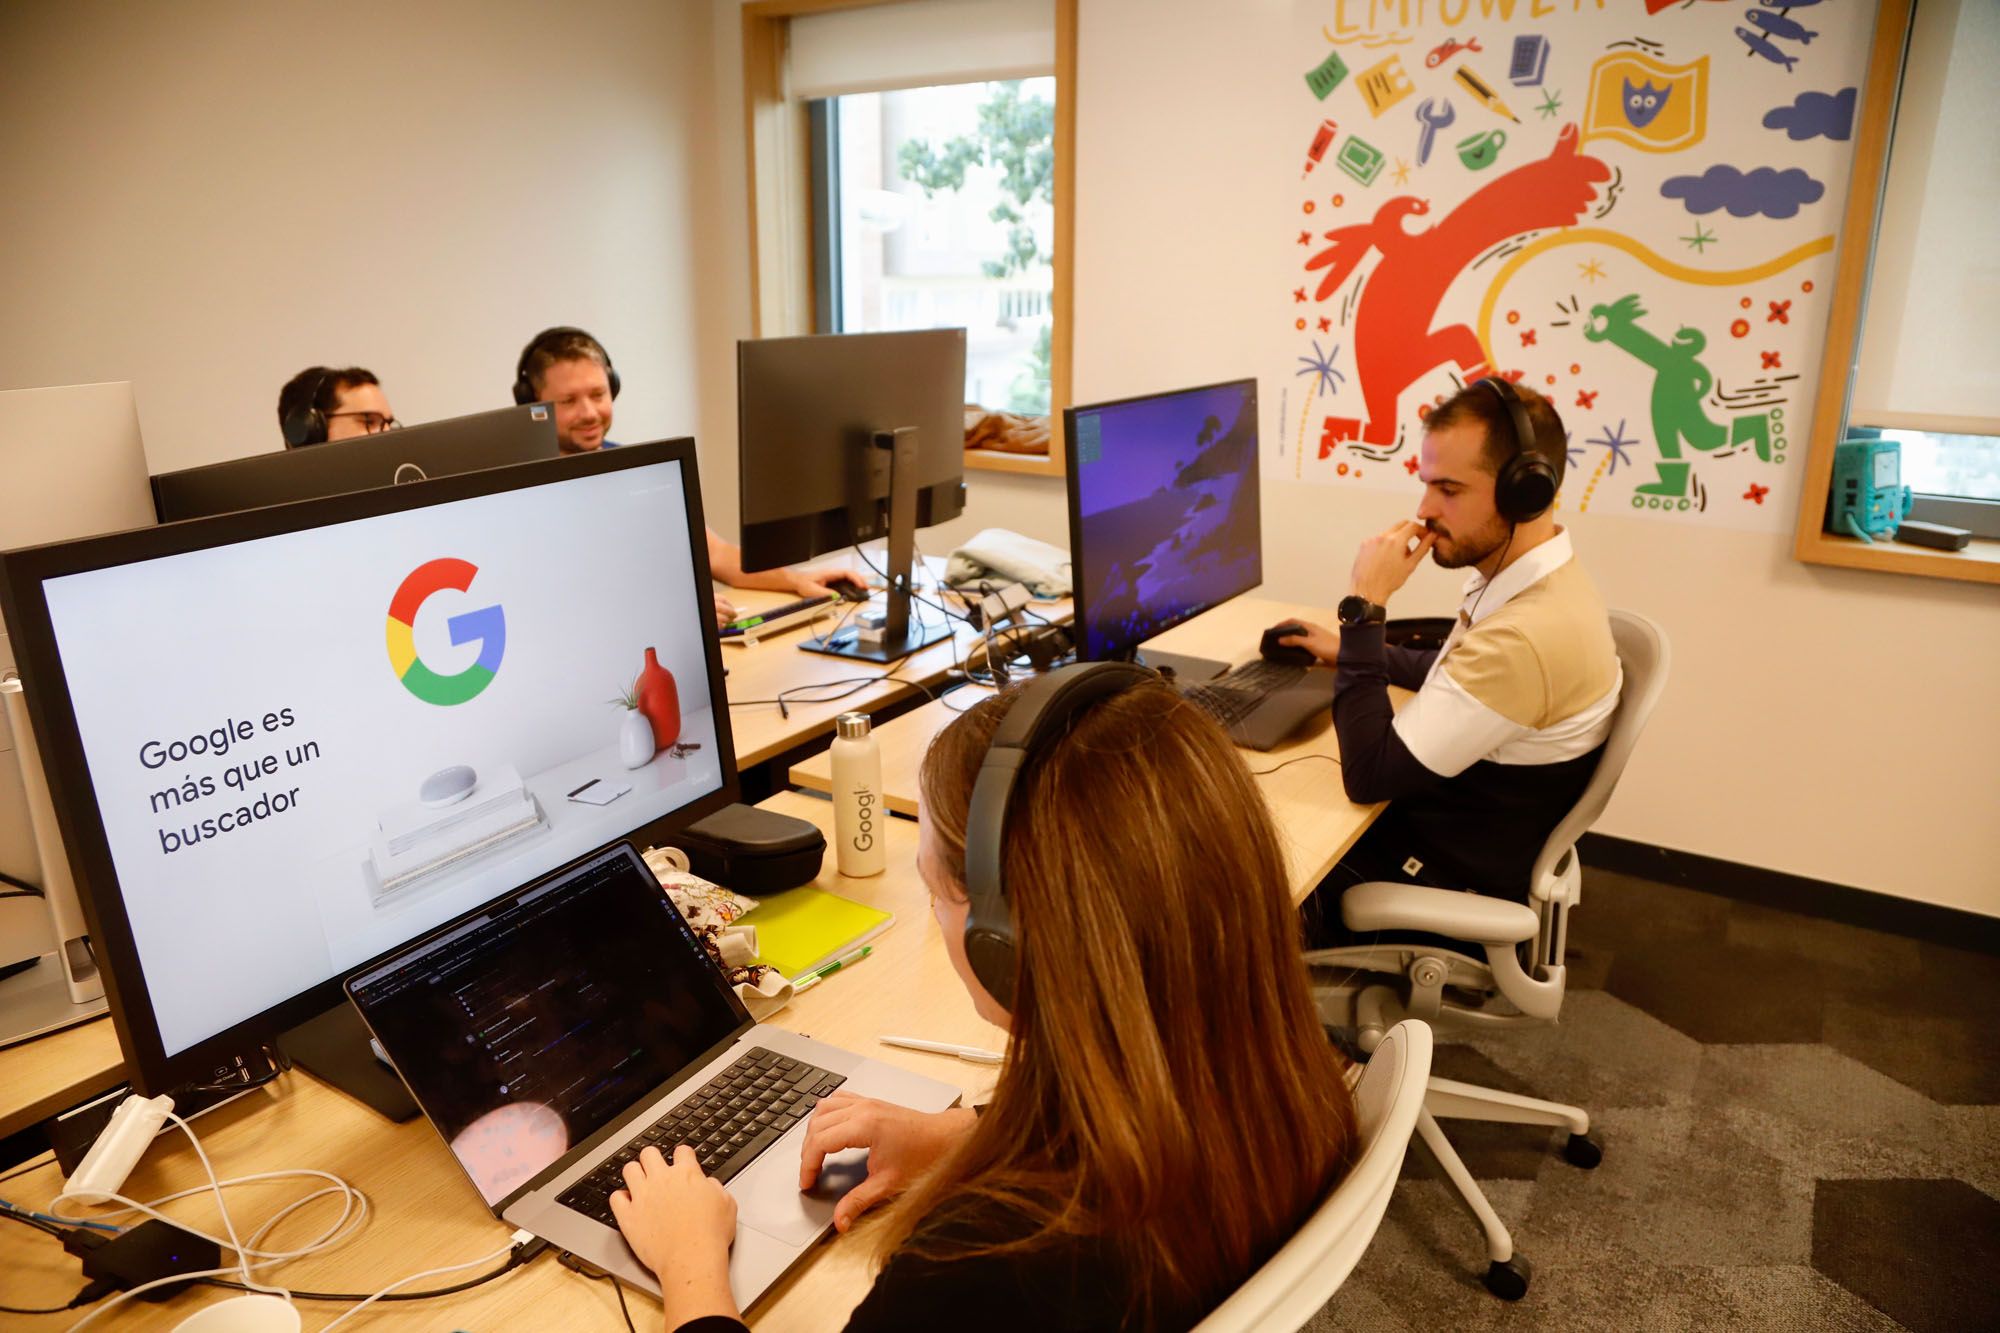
[(1315, 819), (426, 1212), (761, 670)]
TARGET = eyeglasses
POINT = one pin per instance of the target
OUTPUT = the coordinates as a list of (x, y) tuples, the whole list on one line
[(372, 422)]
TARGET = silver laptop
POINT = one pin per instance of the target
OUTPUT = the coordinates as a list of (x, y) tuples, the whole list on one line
[(554, 1033)]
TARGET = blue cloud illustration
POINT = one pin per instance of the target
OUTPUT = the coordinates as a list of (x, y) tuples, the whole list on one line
[(1827, 114), (1775, 194)]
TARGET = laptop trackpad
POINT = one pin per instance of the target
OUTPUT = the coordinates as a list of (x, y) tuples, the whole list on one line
[(769, 1200)]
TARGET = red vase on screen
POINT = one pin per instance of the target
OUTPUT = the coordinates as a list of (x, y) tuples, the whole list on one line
[(660, 701)]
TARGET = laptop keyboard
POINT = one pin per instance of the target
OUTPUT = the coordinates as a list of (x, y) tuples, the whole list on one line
[(734, 1117)]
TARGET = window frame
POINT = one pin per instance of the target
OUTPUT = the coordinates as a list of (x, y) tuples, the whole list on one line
[(788, 283), (1874, 135)]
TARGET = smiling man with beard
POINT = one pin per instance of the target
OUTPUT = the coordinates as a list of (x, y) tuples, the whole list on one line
[(1510, 715)]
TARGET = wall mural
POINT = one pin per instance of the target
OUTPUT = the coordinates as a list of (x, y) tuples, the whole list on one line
[(1628, 205)]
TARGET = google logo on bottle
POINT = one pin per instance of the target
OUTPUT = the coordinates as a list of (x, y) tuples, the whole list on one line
[(487, 627)]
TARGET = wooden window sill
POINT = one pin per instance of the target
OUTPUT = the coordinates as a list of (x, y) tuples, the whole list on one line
[(1029, 465), (1977, 563)]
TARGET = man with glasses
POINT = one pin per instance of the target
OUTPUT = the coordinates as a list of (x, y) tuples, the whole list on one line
[(321, 403)]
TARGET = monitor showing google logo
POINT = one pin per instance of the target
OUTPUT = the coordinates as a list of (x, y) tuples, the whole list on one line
[(487, 627)]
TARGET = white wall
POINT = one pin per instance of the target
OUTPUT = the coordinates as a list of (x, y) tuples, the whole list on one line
[(1829, 723), (177, 178), (206, 197)]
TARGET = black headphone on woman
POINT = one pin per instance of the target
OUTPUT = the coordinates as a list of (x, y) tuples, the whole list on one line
[(1527, 482), (524, 386), (1041, 715)]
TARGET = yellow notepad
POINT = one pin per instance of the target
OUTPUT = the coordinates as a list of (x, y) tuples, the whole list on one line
[(801, 928)]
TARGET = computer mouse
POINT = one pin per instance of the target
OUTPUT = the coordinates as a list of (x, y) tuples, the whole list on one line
[(1286, 654), (850, 592), (448, 786)]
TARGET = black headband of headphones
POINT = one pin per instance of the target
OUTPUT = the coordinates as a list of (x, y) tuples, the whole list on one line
[(307, 424), (524, 384), (1526, 483), (1042, 713)]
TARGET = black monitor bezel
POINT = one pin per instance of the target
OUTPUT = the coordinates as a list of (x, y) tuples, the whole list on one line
[(1072, 493), (149, 1067), (324, 463)]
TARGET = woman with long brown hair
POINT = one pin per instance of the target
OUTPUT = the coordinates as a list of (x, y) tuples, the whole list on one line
[(1169, 1111)]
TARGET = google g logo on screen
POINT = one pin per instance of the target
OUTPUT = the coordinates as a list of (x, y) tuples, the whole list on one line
[(487, 627)]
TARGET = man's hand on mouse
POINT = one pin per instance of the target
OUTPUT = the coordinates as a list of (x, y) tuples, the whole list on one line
[(1386, 560), (1318, 640), (902, 1144), (827, 582)]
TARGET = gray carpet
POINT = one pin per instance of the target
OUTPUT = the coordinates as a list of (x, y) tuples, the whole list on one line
[(1801, 1131)]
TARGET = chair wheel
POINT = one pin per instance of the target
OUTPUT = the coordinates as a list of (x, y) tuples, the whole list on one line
[(1509, 1280), (1580, 1150)]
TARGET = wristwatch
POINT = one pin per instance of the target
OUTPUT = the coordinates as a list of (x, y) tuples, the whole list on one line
[(1358, 610)]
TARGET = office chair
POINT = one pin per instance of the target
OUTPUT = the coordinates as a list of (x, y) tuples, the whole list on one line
[(1509, 973), (1295, 1282)]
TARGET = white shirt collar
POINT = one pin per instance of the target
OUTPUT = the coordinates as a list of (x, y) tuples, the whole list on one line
[(1522, 574)]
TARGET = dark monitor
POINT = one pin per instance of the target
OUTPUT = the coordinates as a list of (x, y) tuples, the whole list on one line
[(1163, 516), (352, 719), (833, 432), (412, 453)]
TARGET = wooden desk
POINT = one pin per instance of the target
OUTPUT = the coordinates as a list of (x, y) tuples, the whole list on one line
[(1315, 819), (762, 670), (49, 1074), (425, 1211)]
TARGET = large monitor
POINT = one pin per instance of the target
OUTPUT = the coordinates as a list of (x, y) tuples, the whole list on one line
[(284, 741), (412, 453), (843, 438), (71, 465), (1163, 516)]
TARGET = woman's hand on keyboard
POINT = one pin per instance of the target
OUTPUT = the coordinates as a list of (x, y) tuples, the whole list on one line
[(902, 1144), (680, 1223)]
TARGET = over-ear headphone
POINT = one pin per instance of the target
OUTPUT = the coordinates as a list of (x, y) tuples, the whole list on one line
[(307, 424), (524, 386), (1041, 715), (1527, 482)]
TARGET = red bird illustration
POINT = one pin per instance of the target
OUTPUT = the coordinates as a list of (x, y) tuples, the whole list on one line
[(1394, 343)]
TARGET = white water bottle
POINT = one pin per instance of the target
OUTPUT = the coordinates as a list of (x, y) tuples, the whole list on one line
[(857, 798)]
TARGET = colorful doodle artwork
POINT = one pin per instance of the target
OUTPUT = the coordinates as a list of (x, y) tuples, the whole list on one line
[(1650, 247)]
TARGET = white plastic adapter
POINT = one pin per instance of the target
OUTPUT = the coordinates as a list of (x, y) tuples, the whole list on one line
[(119, 1147)]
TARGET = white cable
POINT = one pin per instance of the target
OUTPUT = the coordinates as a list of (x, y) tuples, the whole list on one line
[(350, 1219), (483, 1259)]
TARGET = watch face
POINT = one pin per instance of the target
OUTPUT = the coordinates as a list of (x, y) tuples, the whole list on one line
[(1355, 610)]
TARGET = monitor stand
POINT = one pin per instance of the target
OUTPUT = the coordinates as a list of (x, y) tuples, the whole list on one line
[(904, 630), (1179, 667), (35, 1000), (337, 1049)]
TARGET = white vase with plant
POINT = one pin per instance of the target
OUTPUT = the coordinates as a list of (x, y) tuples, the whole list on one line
[(635, 729)]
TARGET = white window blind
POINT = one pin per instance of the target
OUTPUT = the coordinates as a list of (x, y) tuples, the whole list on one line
[(1930, 334), (921, 43)]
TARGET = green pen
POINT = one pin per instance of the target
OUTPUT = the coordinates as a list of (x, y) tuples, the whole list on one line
[(824, 970)]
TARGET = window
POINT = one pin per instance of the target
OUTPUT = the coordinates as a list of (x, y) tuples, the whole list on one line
[(1956, 478), (911, 166), (938, 212)]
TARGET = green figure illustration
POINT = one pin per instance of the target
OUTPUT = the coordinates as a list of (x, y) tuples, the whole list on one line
[(1679, 383)]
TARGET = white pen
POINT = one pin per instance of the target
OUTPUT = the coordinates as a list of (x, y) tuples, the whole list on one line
[(972, 1054)]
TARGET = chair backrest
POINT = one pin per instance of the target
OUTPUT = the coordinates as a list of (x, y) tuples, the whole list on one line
[(1644, 655), (1300, 1278)]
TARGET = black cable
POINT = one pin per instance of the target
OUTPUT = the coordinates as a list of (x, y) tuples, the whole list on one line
[(47, 1309), (26, 889), (1263, 772), (280, 1064), (34, 1163), (521, 1255), (22, 893), (946, 611), (584, 1268)]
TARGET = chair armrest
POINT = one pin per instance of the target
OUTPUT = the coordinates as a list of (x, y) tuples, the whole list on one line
[(1461, 916)]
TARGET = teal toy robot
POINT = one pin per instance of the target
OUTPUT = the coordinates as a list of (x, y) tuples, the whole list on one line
[(1867, 499)]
